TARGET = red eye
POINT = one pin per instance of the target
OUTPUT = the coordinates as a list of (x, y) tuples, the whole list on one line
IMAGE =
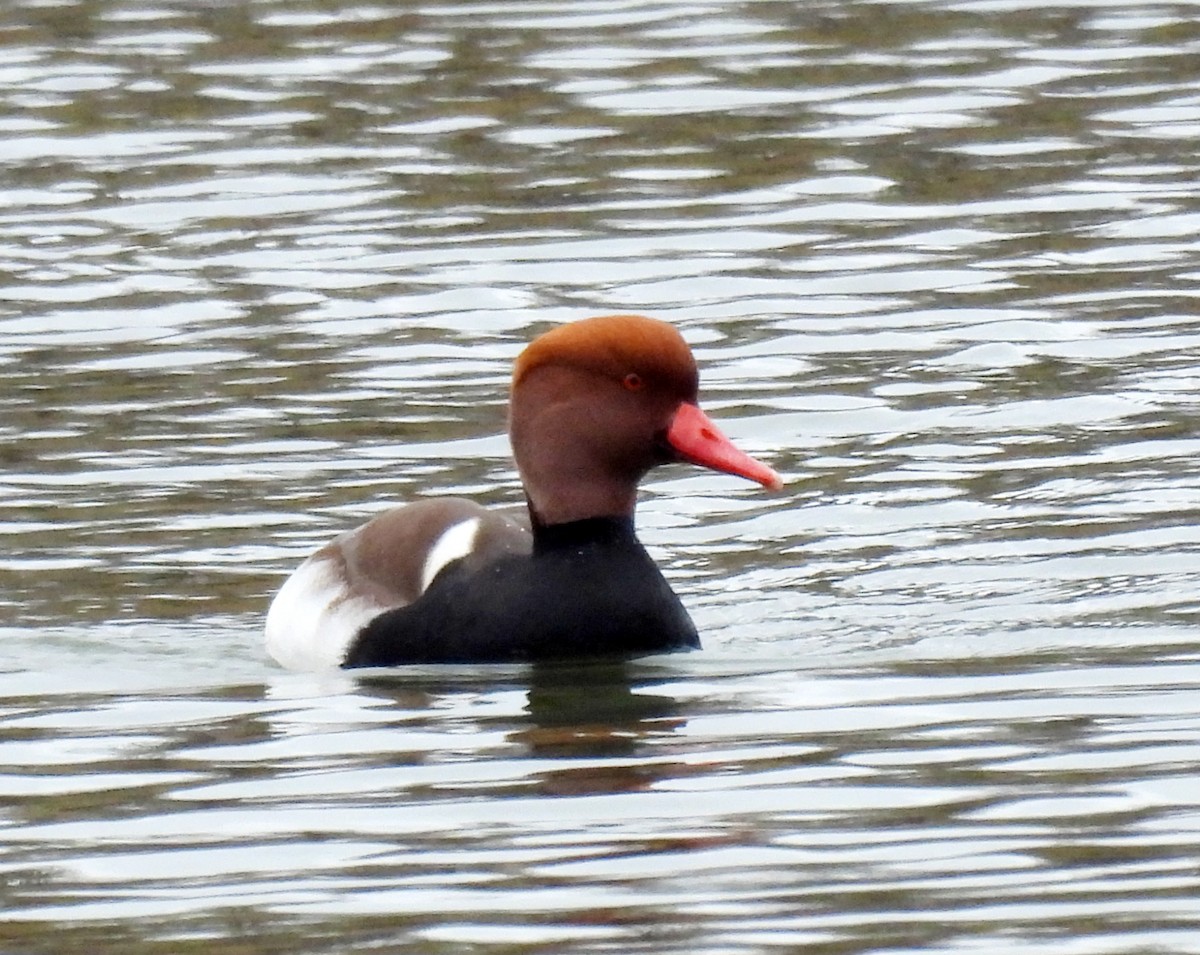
[(633, 382)]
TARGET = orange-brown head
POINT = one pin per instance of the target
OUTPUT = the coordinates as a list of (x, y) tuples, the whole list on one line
[(598, 403)]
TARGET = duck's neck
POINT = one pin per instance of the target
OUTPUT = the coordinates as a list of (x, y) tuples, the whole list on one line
[(575, 457), (591, 531), (579, 501), (565, 480)]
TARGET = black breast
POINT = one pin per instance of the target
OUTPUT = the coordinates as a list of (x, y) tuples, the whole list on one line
[(589, 589)]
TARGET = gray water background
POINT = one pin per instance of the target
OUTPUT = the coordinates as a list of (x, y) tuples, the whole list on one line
[(263, 270)]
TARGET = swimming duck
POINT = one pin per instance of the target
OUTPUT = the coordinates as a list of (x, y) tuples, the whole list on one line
[(594, 406)]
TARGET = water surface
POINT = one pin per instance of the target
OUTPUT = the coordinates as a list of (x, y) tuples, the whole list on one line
[(265, 269)]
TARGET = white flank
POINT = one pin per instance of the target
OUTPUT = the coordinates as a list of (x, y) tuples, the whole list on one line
[(312, 620), (456, 541)]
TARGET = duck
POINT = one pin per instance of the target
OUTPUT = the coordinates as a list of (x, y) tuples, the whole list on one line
[(594, 406)]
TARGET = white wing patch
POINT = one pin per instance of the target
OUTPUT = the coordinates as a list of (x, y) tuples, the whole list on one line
[(313, 619), (456, 541)]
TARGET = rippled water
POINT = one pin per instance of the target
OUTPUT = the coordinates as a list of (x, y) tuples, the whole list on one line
[(264, 268)]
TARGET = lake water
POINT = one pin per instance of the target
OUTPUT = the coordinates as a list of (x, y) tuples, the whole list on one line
[(264, 269)]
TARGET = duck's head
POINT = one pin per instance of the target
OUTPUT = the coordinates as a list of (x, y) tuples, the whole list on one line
[(598, 403)]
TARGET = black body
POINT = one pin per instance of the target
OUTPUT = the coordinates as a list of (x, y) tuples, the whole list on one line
[(588, 590)]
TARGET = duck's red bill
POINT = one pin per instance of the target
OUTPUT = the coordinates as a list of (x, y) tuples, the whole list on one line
[(696, 439)]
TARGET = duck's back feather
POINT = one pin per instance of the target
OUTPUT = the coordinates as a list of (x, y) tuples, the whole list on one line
[(389, 562)]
